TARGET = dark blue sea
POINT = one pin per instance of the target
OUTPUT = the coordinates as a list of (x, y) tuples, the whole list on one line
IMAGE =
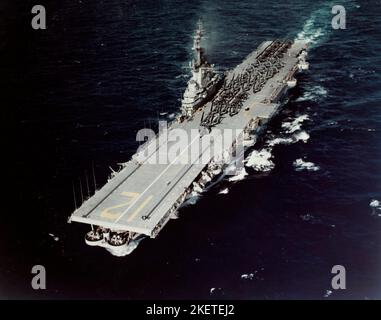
[(74, 95)]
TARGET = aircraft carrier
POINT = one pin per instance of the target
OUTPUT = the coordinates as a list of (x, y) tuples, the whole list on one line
[(148, 191)]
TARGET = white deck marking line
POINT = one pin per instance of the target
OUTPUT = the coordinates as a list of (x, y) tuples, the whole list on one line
[(157, 178)]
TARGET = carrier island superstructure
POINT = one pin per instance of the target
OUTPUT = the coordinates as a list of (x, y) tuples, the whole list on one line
[(144, 195)]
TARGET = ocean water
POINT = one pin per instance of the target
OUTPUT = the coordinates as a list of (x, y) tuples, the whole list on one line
[(74, 96)]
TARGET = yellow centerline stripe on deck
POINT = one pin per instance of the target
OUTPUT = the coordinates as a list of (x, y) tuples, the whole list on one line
[(135, 213)]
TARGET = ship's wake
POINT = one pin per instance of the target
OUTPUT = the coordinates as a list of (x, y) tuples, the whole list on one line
[(310, 33), (316, 29), (262, 160)]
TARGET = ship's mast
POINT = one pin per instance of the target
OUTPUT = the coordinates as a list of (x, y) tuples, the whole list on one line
[(199, 51)]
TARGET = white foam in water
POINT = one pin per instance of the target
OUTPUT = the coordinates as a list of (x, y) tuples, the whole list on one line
[(327, 293), (247, 276), (300, 165), (375, 204), (260, 160), (215, 290), (301, 136), (295, 125), (239, 176), (192, 199), (224, 191), (184, 76), (315, 93), (277, 141), (314, 30), (291, 127), (54, 237), (307, 217), (310, 35)]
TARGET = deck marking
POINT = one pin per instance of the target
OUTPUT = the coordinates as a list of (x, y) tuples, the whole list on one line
[(157, 178), (114, 215), (139, 209)]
